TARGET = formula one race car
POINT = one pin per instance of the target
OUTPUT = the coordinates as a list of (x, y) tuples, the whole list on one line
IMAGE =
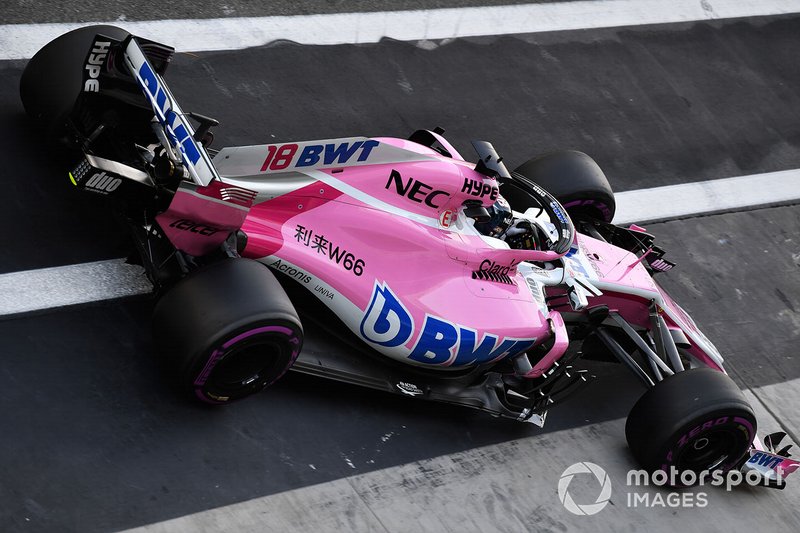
[(402, 266)]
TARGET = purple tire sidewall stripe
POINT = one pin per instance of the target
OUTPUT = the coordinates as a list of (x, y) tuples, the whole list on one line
[(599, 205), (740, 420), (256, 331), (217, 354)]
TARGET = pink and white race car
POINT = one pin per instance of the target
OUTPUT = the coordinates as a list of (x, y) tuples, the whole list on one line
[(403, 266)]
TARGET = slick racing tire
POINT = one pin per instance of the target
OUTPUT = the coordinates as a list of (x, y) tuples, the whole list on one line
[(227, 331), (696, 420), (53, 79), (575, 180)]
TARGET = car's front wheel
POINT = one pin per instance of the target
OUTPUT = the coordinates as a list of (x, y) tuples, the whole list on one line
[(697, 420)]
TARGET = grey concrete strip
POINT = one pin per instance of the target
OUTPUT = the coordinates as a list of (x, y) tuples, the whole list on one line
[(335, 506), (738, 275), (48, 288), (510, 486), (690, 199), (782, 400)]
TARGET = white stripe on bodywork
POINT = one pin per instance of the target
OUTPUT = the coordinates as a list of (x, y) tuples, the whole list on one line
[(272, 186), (371, 200), (248, 161), (342, 307), (19, 41), (207, 198), (241, 165)]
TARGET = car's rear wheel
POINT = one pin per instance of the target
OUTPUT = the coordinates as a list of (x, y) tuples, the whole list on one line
[(696, 420), (227, 331), (52, 80), (574, 179)]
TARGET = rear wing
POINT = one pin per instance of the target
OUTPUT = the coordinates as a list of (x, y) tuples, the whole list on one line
[(201, 216), (178, 133), (204, 211)]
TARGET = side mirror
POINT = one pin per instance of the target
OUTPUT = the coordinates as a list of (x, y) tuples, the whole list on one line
[(474, 209)]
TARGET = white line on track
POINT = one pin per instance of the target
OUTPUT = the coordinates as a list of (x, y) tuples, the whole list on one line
[(47, 288), (19, 41), (690, 199)]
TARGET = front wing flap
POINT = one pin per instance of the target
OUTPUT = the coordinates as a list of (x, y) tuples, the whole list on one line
[(773, 465)]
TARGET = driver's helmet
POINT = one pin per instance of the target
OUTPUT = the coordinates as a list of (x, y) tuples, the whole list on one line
[(500, 218)]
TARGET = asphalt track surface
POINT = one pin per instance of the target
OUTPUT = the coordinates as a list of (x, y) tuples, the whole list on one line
[(95, 439)]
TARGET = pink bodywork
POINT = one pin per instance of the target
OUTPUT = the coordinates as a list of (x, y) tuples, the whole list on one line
[(428, 268), (384, 244), (223, 209), (628, 288)]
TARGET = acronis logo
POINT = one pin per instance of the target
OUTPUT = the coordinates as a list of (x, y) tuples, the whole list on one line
[(388, 323)]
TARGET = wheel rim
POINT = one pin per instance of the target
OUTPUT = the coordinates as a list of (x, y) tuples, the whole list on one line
[(709, 450), (245, 368), (246, 365)]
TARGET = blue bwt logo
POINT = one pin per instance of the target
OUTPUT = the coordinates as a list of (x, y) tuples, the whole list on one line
[(333, 153), (388, 323), (763, 459)]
